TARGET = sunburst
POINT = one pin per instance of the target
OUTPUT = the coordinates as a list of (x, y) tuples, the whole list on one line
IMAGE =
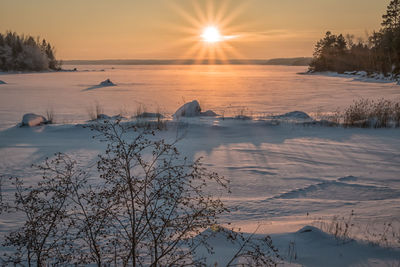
[(210, 31)]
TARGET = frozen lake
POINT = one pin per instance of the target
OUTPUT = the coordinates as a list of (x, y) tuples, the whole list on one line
[(228, 90), (282, 177)]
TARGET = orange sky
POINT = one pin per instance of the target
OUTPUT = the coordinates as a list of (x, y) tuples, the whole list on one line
[(170, 29)]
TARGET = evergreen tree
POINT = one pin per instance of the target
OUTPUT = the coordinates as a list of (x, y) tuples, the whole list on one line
[(20, 53)]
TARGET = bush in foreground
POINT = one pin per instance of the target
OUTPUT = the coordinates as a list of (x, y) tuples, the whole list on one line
[(144, 209)]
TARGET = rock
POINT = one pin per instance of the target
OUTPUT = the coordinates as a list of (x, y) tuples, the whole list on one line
[(190, 109), (32, 120), (293, 115), (107, 82), (208, 113)]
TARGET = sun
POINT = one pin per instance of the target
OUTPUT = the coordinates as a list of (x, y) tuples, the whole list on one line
[(211, 34)]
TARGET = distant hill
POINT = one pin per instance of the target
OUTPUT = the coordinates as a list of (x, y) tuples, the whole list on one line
[(298, 61)]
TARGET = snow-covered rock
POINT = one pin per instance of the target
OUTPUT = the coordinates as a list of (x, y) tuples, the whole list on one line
[(2, 82), (107, 82), (361, 73), (193, 109), (190, 109), (293, 115), (32, 120)]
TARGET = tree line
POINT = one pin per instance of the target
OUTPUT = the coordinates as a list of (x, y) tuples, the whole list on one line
[(379, 53), (26, 53)]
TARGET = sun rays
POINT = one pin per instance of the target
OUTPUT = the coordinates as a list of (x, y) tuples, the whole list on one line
[(210, 31)]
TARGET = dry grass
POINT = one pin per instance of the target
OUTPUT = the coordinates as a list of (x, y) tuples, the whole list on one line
[(50, 117), (95, 111), (348, 228), (367, 113), (156, 122), (339, 226)]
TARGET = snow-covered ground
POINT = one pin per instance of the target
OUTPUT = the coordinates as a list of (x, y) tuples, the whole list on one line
[(361, 76), (283, 177)]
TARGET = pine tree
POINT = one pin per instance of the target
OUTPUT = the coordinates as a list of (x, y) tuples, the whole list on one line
[(391, 19)]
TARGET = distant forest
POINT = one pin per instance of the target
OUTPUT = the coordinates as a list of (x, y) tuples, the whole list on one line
[(379, 53), (26, 53), (298, 61)]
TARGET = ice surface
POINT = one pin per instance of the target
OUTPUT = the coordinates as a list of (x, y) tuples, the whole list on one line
[(283, 176), (261, 90)]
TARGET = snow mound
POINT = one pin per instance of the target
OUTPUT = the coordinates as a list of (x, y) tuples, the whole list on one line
[(106, 117), (193, 109), (31, 120), (149, 115), (2, 82), (293, 115), (107, 82)]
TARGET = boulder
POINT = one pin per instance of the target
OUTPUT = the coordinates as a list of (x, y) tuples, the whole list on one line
[(32, 120), (208, 113)]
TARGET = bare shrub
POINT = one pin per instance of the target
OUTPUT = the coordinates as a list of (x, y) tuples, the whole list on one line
[(146, 208), (43, 238)]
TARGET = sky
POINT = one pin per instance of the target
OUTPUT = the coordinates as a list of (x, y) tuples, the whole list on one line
[(171, 29)]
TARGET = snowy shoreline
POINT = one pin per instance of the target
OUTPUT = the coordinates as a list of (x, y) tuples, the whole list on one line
[(360, 76)]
